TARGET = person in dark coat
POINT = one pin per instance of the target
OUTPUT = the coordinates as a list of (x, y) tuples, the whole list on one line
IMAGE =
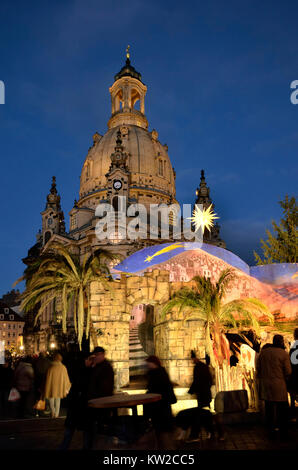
[(6, 381), (77, 400), (293, 381), (24, 382), (160, 412), (202, 382), (273, 371), (194, 418), (41, 367), (101, 384)]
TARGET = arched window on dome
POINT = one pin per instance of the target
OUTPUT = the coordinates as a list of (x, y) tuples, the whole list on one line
[(118, 101), (135, 99), (88, 169), (160, 167)]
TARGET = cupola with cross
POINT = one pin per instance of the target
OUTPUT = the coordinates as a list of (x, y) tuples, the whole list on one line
[(127, 95)]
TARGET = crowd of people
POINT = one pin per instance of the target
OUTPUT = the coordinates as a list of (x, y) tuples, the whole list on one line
[(30, 385), (44, 381)]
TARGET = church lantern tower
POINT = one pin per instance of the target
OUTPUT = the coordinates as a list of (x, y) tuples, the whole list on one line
[(203, 197), (52, 216), (127, 94)]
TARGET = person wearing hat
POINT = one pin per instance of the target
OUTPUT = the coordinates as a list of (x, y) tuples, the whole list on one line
[(101, 383)]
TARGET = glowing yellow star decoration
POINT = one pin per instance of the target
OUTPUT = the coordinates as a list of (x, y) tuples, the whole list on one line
[(203, 218)]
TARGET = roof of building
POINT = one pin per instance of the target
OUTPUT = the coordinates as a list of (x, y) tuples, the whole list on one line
[(7, 312), (128, 71)]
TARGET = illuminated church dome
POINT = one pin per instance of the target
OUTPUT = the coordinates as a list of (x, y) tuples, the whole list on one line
[(151, 178)]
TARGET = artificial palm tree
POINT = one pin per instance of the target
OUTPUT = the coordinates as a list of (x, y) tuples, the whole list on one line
[(205, 301), (59, 274)]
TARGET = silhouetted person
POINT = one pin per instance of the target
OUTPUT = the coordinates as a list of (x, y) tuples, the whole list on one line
[(77, 400), (24, 382), (41, 367), (6, 381), (273, 371), (101, 384), (200, 416), (202, 382), (160, 412)]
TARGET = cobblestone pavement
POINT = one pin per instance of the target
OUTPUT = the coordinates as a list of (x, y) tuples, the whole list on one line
[(45, 433)]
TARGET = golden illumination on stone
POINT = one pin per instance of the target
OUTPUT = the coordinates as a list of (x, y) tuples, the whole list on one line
[(127, 52), (203, 218)]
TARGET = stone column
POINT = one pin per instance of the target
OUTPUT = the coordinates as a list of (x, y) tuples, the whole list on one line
[(126, 96), (113, 103), (117, 103), (142, 104)]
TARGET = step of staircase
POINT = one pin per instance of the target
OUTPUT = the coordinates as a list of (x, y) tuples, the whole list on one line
[(137, 355)]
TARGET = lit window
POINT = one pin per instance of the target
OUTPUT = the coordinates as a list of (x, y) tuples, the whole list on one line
[(116, 237), (88, 170), (73, 222), (160, 167)]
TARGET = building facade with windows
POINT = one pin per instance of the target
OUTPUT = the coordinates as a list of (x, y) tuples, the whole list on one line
[(11, 328)]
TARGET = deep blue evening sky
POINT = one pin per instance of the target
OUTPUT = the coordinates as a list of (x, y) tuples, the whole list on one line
[(218, 76)]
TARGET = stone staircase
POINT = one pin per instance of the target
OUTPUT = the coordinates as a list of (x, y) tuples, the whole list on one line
[(137, 354)]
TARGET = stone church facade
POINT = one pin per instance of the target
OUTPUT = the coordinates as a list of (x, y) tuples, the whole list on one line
[(128, 163)]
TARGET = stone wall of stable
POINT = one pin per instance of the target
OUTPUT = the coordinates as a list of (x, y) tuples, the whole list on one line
[(173, 336)]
